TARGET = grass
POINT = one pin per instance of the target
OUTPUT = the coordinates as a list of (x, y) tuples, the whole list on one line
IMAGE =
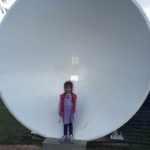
[(12, 131)]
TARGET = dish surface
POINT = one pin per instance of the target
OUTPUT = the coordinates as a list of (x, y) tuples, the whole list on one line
[(102, 44)]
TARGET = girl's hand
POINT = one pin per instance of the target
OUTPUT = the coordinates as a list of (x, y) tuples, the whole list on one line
[(60, 114)]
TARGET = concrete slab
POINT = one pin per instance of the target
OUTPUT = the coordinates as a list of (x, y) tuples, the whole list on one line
[(54, 144)]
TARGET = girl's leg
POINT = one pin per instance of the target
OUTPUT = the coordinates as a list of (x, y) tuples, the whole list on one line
[(71, 128), (65, 129), (64, 137), (71, 139)]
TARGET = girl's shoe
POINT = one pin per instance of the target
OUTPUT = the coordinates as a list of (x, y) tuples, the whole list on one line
[(63, 139), (71, 139)]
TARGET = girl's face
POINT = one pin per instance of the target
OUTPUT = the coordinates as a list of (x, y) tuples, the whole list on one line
[(68, 89)]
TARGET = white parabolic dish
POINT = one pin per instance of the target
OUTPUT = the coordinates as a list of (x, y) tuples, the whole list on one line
[(105, 43)]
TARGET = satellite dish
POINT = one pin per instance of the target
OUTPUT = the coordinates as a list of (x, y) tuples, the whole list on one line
[(101, 45)]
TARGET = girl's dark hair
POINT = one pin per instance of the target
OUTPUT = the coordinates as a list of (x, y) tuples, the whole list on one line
[(68, 83)]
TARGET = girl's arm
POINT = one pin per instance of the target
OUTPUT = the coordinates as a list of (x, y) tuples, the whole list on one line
[(60, 107), (75, 103)]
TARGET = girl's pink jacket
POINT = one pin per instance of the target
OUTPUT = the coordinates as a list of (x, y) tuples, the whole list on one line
[(61, 104)]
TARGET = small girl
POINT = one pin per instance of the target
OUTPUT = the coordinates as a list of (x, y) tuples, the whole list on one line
[(67, 108)]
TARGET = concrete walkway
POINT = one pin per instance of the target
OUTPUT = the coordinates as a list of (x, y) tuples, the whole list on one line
[(20, 147)]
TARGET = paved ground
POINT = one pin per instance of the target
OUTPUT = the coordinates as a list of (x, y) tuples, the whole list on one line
[(19, 147), (100, 147)]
